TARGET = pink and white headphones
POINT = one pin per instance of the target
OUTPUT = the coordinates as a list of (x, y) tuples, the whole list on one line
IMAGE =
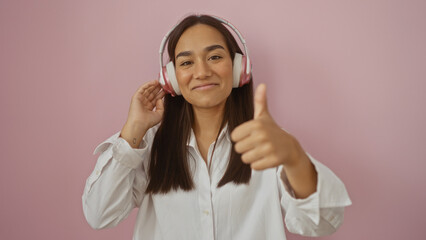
[(241, 70)]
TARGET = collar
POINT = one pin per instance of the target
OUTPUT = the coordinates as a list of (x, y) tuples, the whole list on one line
[(192, 142)]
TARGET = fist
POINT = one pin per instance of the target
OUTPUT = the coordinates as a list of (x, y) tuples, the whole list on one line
[(261, 142)]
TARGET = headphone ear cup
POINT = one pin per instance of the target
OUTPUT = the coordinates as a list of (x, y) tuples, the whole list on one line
[(246, 71), (170, 68), (164, 81), (241, 70), (237, 70)]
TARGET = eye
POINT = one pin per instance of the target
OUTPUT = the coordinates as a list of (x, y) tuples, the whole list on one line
[(215, 57), (186, 63)]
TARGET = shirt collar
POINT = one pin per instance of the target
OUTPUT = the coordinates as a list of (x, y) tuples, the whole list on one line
[(192, 142)]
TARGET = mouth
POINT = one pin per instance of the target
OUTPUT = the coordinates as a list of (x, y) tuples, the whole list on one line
[(205, 86)]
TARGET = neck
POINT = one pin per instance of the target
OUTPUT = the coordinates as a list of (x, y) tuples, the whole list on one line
[(207, 122)]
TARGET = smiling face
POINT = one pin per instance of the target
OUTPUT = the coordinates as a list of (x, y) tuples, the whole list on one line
[(203, 67)]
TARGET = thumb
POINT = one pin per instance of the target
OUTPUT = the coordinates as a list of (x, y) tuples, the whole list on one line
[(260, 105)]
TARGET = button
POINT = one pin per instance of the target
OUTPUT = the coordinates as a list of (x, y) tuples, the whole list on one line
[(98, 172), (206, 212)]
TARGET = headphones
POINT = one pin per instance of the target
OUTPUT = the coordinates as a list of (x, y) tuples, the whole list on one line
[(242, 68)]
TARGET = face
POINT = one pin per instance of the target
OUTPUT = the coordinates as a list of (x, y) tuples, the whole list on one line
[(203, 67)]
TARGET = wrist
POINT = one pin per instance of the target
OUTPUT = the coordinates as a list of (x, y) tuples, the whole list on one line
[(297, 156), (133, 133), (135, 126)]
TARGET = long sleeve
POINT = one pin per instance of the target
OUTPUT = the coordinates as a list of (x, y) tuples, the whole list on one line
[(322, 212), (118, 182)]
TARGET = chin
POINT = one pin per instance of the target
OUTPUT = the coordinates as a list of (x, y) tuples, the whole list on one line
[(207, 103), (207, 99)]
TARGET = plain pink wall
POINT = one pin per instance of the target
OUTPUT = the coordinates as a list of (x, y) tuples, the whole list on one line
[(346, 78)]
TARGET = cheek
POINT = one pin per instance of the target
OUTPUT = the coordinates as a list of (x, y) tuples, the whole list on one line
[(227, 73), (224, 70), (182, 77), (227, 69)]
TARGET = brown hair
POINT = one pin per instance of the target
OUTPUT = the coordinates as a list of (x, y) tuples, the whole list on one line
[(169, 168)]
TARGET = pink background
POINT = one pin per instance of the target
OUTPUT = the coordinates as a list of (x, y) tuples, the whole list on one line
[(346, 78)]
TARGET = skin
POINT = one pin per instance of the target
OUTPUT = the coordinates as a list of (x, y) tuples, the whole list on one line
[(204, 74)]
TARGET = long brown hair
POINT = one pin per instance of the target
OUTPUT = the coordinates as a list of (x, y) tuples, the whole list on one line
[(169, 167)]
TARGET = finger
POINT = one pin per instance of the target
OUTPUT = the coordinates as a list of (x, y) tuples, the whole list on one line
[(244, 130), (256, 140), (148, 89), (260, 104), (159, 106), (150, 101), (145, 99), (263, 163), (256, 154), (149, 94), (160, 94), (245, 144), (144, 93), (152, 92), (147, 85)]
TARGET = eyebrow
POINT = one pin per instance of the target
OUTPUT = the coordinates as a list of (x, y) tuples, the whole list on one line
[(206, 49)]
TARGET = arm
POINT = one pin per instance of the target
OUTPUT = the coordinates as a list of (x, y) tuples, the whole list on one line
[(320, 213), (302, 177), (119, 180), (315, 205), (117, 183)]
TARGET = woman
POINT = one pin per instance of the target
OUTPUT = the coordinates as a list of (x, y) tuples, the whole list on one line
[(210, 163)]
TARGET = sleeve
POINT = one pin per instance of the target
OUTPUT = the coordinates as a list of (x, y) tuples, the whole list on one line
[(118, 182), (319, 214)]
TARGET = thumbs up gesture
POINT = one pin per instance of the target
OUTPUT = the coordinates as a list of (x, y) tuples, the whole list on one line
[(262, 143)]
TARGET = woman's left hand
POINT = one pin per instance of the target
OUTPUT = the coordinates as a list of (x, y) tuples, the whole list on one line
[(262, 143)]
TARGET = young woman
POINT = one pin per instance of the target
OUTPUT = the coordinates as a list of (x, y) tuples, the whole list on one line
[(208, 161)]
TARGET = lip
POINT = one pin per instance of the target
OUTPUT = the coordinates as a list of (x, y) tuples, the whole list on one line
[(205, 86)]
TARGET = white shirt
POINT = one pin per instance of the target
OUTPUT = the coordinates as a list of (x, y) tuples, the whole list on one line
[(254, 211)]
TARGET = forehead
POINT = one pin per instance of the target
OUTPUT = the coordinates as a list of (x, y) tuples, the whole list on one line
[(198, 37)]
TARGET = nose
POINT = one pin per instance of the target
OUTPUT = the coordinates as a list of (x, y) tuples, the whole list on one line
[(202, 70)]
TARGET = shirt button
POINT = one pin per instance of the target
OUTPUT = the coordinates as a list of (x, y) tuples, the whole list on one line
[(206, 212), (98, 172)]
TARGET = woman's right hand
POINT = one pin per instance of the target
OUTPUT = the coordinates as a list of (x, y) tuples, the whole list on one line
[(146, 110)]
